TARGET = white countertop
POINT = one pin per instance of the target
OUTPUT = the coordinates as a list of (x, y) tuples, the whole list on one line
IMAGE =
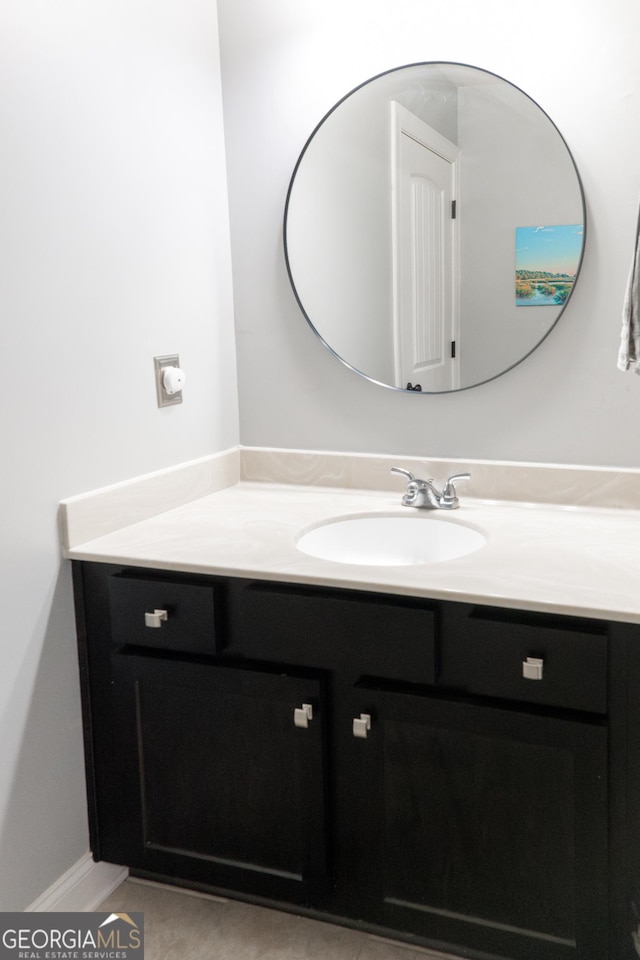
[(573, 560)]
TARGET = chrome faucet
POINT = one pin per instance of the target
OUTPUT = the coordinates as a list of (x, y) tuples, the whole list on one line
[(422, 493)]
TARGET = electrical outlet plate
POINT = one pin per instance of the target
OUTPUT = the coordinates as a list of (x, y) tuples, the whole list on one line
[(160, 363)]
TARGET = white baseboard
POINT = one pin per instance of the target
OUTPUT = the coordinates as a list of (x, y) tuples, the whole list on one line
[(82, 888)]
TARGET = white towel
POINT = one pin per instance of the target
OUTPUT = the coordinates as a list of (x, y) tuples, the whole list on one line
[(629, 353)]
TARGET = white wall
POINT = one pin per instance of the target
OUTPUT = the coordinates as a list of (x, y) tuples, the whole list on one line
[(114, 248), (284, 64)]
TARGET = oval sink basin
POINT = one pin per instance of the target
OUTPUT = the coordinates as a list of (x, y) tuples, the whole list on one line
[(390, 541)]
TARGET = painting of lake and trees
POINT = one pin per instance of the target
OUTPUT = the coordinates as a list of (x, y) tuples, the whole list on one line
[(547, 260)]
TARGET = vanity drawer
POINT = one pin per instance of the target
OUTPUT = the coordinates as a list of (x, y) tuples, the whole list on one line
[(363, 634), (162, 613), (535, 658)]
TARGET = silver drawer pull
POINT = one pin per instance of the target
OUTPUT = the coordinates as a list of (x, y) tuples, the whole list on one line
[(532, 668), (302, 715), (362, 725), (155, 619)]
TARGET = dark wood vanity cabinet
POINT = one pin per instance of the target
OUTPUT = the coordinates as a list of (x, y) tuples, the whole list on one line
[(222, 787), (390, 762), (491, 826)]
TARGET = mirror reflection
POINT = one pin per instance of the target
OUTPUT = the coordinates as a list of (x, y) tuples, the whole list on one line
[(434, 227)]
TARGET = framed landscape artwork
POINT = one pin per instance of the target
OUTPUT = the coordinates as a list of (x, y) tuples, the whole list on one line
[(547, 260)]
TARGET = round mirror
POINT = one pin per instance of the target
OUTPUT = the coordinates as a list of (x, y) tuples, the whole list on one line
[(434, 227)]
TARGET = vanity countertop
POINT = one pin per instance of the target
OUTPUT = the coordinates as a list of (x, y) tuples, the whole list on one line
[(576, 560)]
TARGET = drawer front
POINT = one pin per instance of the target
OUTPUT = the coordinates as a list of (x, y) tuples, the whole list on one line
[(534, 658), (365, 634), (165, 614)]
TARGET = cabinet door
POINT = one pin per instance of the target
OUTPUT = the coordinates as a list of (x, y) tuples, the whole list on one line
[(218, 783), (486, 827)]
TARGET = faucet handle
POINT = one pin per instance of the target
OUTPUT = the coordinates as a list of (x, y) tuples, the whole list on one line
[(449, 492), (403, 472)]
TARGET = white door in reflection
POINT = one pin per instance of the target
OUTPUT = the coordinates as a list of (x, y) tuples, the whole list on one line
[(424, 174)]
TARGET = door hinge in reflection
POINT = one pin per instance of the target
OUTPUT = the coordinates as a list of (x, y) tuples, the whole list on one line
[(453, 209), (453, 349), (417, 387)]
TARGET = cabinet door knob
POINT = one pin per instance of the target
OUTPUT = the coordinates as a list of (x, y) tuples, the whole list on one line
[(155, 619), (532, 668), (362, 725), (302, 715)]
